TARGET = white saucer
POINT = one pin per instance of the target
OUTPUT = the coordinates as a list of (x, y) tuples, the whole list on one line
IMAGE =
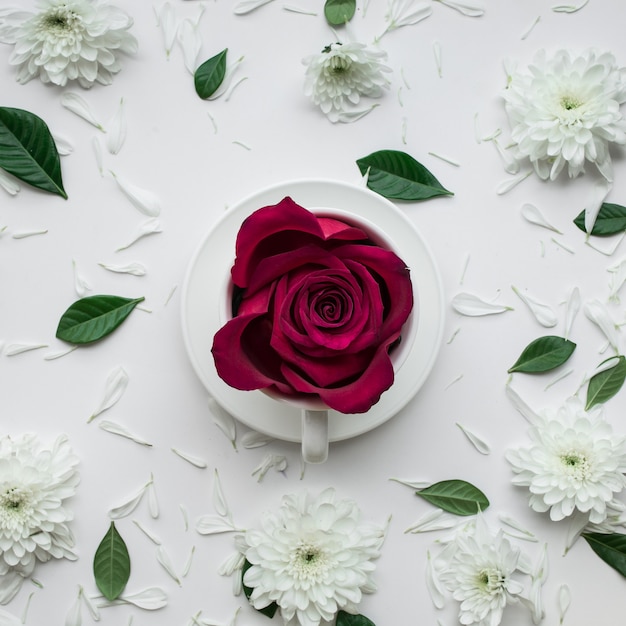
[(210, 268)]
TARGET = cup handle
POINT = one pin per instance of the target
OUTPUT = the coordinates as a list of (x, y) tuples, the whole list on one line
[(314, 436)]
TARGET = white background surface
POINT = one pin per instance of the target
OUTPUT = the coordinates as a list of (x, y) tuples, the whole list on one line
[(198, 170)]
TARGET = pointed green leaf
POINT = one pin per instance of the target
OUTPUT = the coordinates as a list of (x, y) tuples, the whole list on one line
[(543, 354), (28, 151), (94, 317), (610, 548), (339, 12), (611, 219), (209, 76), (455, 496), (606, 384), (346, 619), (111, 564), (398, 175), (270, 609)]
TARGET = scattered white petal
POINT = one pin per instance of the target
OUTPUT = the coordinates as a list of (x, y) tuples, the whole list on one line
[(190, 41), (413, 484), (188, 563), (9, 183), (183, 512), (568, 8), (29, 233), (467, 7), (599, 315), (347, 117), (13, 349), (26, 608), (96, 145), (445, 158), (79, 106), (599, 192), (227, 80), (91, 607), (507, 185), (562, 245), (149, 227), (150, 599), (194, 460), (405, 13), (575, 524), (81, 286), (136, 269), (565, 599), (464, 271), (524, 533), (436, 519), (453, 335), (167, 21), (164, 559), (276, 461), (117, 130), (471, 305), (114, 388), (610, 251), (219, 499), (64, 146), (437, 53), (542, 312), (245, 146), (224, 421), (617, 280), (295, 9), (74, 615), (511, 164), (558, 378), (254, 439), (530, 29), (480, 445), (212, 122), (455, 380), (147, 533), (127, 507), (232, 88), (494, 135), (153, 504), (213, 524), (540, 571), (533, 215), (520, 404), (143, 200), (477, 132), (246, 6), (433, 584), (231, 564), (117, 429)]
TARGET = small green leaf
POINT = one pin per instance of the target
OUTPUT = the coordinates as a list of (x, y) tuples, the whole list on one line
[(455, 496), (28, 151), (611, 219), (339, 12), (209, 76), (606, 384), (346, 619), (543, 354), (611, 548), (111, 564), (270, 609), (94, 317), (398, 175)]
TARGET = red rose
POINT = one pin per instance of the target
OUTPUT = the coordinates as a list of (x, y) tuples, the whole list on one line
[(317, 307)]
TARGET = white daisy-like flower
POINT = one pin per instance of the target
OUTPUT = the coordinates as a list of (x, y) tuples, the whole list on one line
[(35, 481), (337, 78), (68, 40), (575, 463), (312, 557), (566, 110), (482, 572)]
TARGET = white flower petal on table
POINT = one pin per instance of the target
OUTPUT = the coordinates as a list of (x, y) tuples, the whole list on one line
[(511, 164), (79, 106), (91, 607), (145, 201), (246, 6), (406, 13), (114, 389), (617, 280), (471, 305), (542, 312), (63, 145), (214, 524), (437, 53), (231, 69), (153, 504), (127, 507), (431, 521), (190, 458), (188, 562), (541, 569), (136, 269), (164, 559), (185, 516), (155, 540), (81, 286), (150, 599), (254, 439), (506, 185), (295, 9), (348, 117), (24, 616), (599, 315), (231, 564), (478, 443), (565, 599), (24, 234), (190, 41), (166, 19), (433, 584), (569, 8), (9, 183), (116, 135), (533, 215), (51, 356), (224, 421), (575, 524), (522, 407), (219, 499), (149, 227), (13, 349), (523, 533), (74, 615), (276, 461), (599, 192), (413, 484), (571, 311), (122, 431), (96, 146), (470, 8)]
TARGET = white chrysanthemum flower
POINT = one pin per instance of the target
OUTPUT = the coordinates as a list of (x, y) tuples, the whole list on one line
[(68, 40), (35, 481), (312, 557), (341, 74), (566, 111), (480, 570), (575, 463)]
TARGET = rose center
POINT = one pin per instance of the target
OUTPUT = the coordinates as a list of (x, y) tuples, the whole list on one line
[(576, 464), (490, 580), (331, 306)]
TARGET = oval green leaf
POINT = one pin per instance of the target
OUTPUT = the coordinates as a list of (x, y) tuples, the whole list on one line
[(270, 609), (543, 354), (397, 175), (611, 548), (111, 564), (346, 619), (339, 12), (455, 496), (94, 317), (606, 384), (209, 76), (28, 151), (611, 219)]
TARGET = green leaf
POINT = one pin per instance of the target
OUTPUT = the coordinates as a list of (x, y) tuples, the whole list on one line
[(346, 619), (111, 564), (455, 496), (543, 354), (339, 12), (606, 384), (209, 76), (611, 219), (610, 548), (398, 175), (28, 151), (270, 609), (94, 317)]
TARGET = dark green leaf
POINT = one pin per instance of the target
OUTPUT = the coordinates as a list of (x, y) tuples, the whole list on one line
[(92, 318), (209, 76), (339, 12), (455, 496), (270, 609), (346, 619), (28, 151), (606, 384), (111, 564), (398, 175), (610, 548), (543, 354), (611, 219)]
